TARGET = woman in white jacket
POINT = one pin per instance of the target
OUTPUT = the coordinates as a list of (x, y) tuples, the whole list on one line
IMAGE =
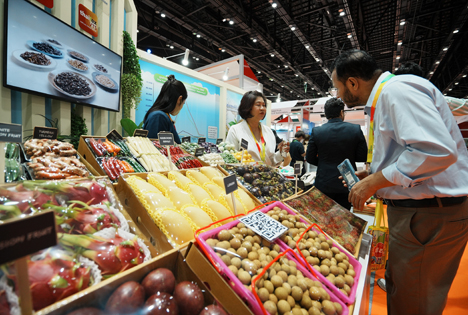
[(262, 142)]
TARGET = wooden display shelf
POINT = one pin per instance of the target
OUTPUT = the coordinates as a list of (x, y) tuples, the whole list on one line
[(140, 215)]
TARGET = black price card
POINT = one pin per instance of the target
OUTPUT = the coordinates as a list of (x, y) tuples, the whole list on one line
[(230, 183), (45, 133), (20, 237), (166, 138), (263, 225), (185, 139), (140, 133), (214, 150), (297, 169), (244, 144), (201, 140), (218, 141), (199, 151), (114, 135), (11, 133)]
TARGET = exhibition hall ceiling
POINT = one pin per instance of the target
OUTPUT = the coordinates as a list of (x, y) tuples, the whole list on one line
[(290, 44)]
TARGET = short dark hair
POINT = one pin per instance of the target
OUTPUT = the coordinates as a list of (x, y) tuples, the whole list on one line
[(354, 63), (299, 134), (333, 108), (247, 102), (410, 68)]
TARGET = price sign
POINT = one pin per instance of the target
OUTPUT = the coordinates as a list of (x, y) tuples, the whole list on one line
[(45, 133), (218, 141), (114, 135), (185, 139), (263, 225), (244, 144), (297, 169), (199, 151), (201, 140), (11, 133), (230, 183), (140, 133), (24, 236), (214, 150), (166, 138)]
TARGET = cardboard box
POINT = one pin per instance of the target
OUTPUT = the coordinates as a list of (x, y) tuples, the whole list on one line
[(88, 155), (96, 296), (140, 216), (214, 282)]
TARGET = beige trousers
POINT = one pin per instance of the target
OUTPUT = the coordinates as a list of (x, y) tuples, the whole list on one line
[(425, 248)]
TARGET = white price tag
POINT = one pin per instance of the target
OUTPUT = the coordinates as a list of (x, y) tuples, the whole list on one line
[(263, 225)]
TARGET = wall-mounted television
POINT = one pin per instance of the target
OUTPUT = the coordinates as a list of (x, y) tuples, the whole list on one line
[(45, 56)]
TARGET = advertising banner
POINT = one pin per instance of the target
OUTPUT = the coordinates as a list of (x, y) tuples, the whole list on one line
[(88, 21)]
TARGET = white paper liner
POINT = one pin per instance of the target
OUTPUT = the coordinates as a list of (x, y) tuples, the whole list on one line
[(123, 222), (111, 232), (12, 298), (94, 269)]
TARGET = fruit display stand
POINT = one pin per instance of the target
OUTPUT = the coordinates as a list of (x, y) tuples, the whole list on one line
[(140, 215), (97, 295)]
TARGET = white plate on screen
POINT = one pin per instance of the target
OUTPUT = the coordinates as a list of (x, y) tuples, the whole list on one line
[(93, 86), (17, 55)]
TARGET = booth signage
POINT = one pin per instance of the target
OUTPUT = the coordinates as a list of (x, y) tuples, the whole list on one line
[(45, 133), (87, 20), (218, 141), (114, 135), (11, 133), (201, 140), (297, 168), (263, 225), (230, 183), (214, 150), (140, 133), (47, 3), (244, 144), (166, 138), (199, 151), (20, 237), (185, 139)]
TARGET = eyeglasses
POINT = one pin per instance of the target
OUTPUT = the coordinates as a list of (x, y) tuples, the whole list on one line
[(260, 105)]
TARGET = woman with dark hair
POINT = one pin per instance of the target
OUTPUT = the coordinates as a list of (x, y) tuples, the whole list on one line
[(261, 139), (170, 101)]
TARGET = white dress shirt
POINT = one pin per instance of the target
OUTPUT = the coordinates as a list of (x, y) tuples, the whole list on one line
[(418, 145), (242, 131)]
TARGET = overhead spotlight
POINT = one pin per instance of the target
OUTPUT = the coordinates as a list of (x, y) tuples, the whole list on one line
[(198, 35), (291, 91), (398, 57), (163, 15), (197, 59), (293, 28), (445, 49), (307, 46), (272, 55), (297, 75), (148, 51), (254, 40), (138, 31), (464, 76), (432, 72), (286, 66), (455, 31), (317, 59), (231, 22), (402, 22), (396, 69), (342, 12), (450, 89), (224, 20), (437, 62), (400, 43), (282, 86), (223, 50), (445, 94), (272, 79), (279, 98), (456, 83), (349, 35), (259, 71), (225, 75), (186, 56), (274, 5), (171, 47)]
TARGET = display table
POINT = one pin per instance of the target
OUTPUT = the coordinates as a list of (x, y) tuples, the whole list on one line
[(361, 306)]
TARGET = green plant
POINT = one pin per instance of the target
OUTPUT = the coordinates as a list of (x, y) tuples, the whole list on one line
[(78, 128), (131, 82), (130, 126)]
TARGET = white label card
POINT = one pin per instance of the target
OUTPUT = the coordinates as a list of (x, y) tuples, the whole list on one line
[(263, 225)]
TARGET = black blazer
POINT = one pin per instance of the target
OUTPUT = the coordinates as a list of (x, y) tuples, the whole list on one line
[(329, 145)]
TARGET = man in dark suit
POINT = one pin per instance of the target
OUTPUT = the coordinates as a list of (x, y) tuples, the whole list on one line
[(332, 143)]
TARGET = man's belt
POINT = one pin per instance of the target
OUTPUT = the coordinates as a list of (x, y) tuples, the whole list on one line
[(426, 203)]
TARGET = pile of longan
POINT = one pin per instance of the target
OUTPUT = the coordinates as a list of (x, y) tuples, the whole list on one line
[(282, 289), (319, 251)]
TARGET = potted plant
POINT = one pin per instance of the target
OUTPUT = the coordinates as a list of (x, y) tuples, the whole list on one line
[(131, 83)]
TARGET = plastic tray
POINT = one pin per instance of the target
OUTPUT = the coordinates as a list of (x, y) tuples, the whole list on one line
[(247, 296), (356, 265)]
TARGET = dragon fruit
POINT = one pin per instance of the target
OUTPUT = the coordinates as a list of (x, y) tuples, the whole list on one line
[(54, 278), (25, 199), (111, 255), (4, 306)]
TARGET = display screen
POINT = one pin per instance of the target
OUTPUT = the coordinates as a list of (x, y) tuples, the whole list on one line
[(45, 56)]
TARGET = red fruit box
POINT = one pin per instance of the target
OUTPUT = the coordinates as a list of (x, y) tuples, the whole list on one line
[(356, 264), (247, 296)]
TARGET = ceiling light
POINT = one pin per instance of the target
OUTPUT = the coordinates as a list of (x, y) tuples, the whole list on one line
[(259, 71), (274, 5), (342, 13), (231, 22), (291, 91), (186, 55), (317, 59), (198, 35), (163, 15), (396, 69), (148, 51), (402, 22), (349, 35), (272, 79), (297, 75), (445, 94), (225, 75), (464, 76), (445, 49), (223, 50), (307, 46), (455, 31), (138, 31), (171, 47), (456, 83), (398, 57), (400, 43), (254, 40), (197, 59), (282, 86), (285, 66), (272, 55), (437, 62), (450, 89), (432, 72), (279, 98), (293, 28), (224, 20)]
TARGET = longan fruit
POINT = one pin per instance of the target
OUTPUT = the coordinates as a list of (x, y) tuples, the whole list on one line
[(351, 272), (296, 311), (211, 242), (287, 287), (242, 252), (347, 288), (247, 245), (324, 270), (248, 238), (235, 243), (325, 246), (293, 269), (283, 275), (314, 293), (244, 277), (273, 254), (224, 235), (226, 259), (326, 261), (322, 254), (236, 262), (338, 307), (269, 286), (317, 305), (342, 265), (283, 306), (310, 282), (252, 255), (240, 225), (306, 301), (297, 293), (223, 244), (292, 280), (341, 271), (233, 269), (339, 282), (328, 308), (281, 293), (263, 294), (270, 307), (301, 283), (314, 311), (273, 298), (277, 281), (349, 280)]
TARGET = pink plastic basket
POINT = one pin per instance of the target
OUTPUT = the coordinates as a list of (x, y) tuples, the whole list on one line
[(247, 296), (356, 265)]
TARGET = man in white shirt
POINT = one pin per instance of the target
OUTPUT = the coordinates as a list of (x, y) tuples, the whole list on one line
[(420, 168)]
